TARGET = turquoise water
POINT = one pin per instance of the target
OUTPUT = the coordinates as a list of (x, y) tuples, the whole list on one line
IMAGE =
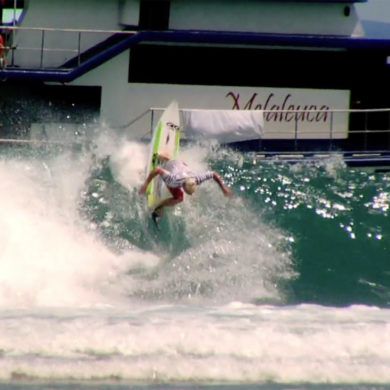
[(338, 220), (284, 285), (333, 222)]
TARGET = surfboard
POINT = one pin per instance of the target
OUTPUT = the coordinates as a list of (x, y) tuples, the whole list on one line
[(165, 139)]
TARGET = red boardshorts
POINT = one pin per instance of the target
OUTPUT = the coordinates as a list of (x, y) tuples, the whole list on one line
[(177, 192)]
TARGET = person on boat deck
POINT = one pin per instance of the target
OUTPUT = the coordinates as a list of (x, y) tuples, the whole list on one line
[(178, 177), (3, 59)]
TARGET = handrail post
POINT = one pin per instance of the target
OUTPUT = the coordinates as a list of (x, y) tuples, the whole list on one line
[(365, 129), (13, 34), (42, 46), (331, 131), (151, 124), (79, 50), (388, 129), (296, 132)]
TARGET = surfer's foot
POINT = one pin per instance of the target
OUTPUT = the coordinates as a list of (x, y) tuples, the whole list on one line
[(156, 215), (155, 218), (158, 211)]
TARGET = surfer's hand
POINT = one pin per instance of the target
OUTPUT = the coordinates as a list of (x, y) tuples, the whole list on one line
[(227, 191), (142, 189)]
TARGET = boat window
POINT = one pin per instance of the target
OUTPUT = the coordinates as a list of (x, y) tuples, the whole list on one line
[(11, 11), (239, 66), (11, 16), (364, 72)]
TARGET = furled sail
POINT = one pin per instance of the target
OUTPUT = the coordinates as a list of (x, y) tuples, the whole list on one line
[(225, 126)]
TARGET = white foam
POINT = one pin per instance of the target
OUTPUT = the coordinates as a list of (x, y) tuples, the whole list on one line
[(51, 257), (47, 257), (128, 163), (233, 343)]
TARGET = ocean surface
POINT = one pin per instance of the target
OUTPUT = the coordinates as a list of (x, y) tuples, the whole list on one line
[(286, 285)]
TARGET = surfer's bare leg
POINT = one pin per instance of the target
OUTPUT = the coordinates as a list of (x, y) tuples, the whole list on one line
[(167, 203)]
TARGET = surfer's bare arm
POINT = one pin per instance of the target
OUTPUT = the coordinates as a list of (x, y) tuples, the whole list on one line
[(226, 190), (156, 171)]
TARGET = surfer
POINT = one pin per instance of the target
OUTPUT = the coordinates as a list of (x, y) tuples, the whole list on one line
[(178, 177)]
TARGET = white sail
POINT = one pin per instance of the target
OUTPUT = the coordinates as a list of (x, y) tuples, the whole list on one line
[(225, 126)]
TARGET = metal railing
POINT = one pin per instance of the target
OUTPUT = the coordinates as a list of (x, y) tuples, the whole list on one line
[(369, 138), (37, 47), (367, 126)]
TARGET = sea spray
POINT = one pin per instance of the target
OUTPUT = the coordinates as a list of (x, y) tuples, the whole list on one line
[(48, 256), (212, 248)]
